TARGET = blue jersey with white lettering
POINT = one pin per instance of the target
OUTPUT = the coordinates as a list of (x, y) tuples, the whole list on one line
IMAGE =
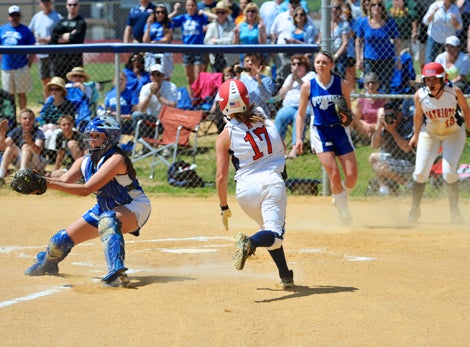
[(322, 99), (117, 192)]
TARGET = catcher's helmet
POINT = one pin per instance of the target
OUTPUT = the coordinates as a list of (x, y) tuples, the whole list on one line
[(233, 97), (433, 70), (105, 125)]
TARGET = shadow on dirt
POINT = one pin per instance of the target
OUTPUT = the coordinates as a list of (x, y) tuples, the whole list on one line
[(301, 291)]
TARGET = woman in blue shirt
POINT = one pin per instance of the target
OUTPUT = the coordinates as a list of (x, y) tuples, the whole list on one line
[(378, 43), (193, 27)]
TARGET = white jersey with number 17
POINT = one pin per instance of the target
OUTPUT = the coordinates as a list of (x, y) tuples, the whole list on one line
[(256, 147)]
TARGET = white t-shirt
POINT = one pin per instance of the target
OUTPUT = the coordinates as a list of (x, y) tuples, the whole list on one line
[(42, 25), (168, 90)]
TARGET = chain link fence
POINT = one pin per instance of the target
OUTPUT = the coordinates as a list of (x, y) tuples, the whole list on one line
[(104, 58)]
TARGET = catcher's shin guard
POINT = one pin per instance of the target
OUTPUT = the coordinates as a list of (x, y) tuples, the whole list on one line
[(109, 228), (47, 262)]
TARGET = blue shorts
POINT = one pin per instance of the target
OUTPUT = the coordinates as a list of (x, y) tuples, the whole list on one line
[(194, 59), (335, 138)]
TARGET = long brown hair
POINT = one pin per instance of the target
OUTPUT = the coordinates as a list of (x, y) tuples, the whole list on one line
[(249, 116)]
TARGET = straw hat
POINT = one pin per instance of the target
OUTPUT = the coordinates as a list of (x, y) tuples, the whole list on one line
[(59, 82), (221, 5), (78, 71)]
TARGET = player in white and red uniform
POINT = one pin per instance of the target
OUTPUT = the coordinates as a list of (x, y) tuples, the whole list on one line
[(438, 123), (257, 151)]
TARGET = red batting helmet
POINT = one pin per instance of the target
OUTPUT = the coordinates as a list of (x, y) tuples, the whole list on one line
[(433, 70), (233, 97)]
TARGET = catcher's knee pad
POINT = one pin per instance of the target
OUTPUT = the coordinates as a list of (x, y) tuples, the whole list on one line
[(109, 228), (59, 246)]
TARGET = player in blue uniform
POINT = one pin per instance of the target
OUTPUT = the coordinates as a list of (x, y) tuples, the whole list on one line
[(257, 152), (330, 140), (122, 206)]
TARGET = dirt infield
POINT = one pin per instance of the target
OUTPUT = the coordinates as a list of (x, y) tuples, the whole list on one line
[(376, 283)]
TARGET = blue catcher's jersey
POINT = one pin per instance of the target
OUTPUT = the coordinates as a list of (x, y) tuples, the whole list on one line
[(322, 99), (116, 192)]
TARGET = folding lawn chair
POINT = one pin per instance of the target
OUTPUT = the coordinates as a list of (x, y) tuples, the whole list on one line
[(172, 131), (204, 89)]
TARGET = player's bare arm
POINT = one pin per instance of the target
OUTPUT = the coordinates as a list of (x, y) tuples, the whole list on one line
[(222, 148), (417, 120), (302, 113)]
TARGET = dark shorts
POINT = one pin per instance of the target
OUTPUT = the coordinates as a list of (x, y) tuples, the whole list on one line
[(194, 59), (45, 70)]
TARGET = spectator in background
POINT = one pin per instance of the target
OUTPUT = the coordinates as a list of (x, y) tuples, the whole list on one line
[(281, 33), (220, 32), (341, 32), (365, 120), (80, 92), (41, 25), (233, 6), (155, 94), (241, 15), (128, 101), (302, 33), (206, 5), (136, 21), (456, 63), (193, 27), (70, 30), (394, 164), (55, 106), (403, 77), (290, 96), (70, 145), (404, 14), (24, 143), (268, 12), (377, 44), (159, 29), (443, 19), (135, 72), (260, 87), (252, 30), (16, 76), (7, 111), (350, 55)]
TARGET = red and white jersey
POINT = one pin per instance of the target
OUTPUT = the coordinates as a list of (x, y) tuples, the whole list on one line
[(256, 147), (440, 114)]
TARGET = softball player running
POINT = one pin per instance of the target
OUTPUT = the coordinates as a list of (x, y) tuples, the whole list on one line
[(329, 138), (122, 206), (438, 123), (257, 152)]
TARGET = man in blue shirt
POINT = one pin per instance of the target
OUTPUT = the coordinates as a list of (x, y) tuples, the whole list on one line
[(136, 21), (16, 77)]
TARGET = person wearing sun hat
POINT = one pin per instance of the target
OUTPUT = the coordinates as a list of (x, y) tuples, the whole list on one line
[(456, 63), (55, 106), (16, 76), (220, 32)]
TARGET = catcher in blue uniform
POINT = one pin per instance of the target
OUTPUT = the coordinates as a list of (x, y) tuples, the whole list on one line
[(122, 206)]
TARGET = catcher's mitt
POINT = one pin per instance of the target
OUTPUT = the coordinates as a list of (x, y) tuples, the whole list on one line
[(27, 181), (344, 113)]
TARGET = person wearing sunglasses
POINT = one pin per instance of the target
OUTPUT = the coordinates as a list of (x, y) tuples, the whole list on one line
[(251, 31), (70, 30), (159, 29), (378, 44), (220, 32), (16, 76)]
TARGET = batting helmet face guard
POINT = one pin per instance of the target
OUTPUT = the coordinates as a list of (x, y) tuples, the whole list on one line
[(107, 126), (233, 97)]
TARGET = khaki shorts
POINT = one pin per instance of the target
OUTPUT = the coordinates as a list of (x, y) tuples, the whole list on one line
[(17, 81)]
